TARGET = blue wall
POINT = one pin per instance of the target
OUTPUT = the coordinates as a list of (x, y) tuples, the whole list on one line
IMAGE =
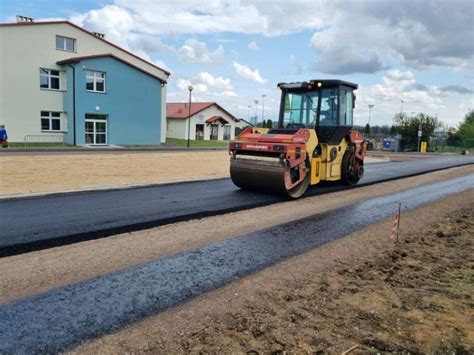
[(132, 102)]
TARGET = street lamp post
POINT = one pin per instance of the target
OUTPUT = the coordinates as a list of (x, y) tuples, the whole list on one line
[(401, 107), (256, 115), (190, 88), (263, 107), (370, 113)]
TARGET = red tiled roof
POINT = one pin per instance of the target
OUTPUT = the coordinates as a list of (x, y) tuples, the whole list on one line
[(78, 59), (181, 110), (216, 118), (89, 33)]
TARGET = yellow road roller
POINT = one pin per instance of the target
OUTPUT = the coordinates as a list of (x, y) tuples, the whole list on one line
[(314, 141)]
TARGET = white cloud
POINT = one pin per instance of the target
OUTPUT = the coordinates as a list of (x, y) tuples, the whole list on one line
[(253, 46), (350, 37), (196, 52), (206, 83), (396, 86), (114, 21), (248, 74), (214, 82)]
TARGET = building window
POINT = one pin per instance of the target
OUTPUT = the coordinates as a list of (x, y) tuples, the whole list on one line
[(95, 81), (49, 79), (50, 121), (65, 44)]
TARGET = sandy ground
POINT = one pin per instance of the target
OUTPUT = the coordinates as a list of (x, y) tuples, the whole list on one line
[(28, 174), (35, 272), (362, 292)]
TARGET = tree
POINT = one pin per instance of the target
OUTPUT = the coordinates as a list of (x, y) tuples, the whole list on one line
[(408, 128), (270, 124), (393, 130), (367, 130), (466, 129)]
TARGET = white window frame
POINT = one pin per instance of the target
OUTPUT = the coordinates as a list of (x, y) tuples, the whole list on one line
[(50, 118), (94, 131), (96, 77), (49, 75), (64, 47)]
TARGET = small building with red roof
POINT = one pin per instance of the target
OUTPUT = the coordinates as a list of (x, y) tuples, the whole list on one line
[(206, 121)]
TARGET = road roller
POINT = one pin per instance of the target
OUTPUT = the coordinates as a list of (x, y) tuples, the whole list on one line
[(314, 141)]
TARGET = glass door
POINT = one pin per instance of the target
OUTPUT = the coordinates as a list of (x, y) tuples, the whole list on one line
[(227, 132), (96, 130), (214, 132)]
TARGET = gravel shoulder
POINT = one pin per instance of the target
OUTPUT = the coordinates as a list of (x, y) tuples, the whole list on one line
[(35, 272), (361, 291), (32, 174)]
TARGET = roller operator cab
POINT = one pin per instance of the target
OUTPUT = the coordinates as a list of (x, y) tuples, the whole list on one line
[(314, 142)]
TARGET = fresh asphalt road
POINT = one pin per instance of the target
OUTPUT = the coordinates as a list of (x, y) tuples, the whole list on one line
[(40, 222), (64, 317)]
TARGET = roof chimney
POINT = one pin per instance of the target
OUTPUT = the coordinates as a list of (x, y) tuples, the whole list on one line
[(20, 18), (98, 34)]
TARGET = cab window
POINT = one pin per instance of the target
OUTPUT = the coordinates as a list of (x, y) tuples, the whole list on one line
[(329, 104), (345, 114), (300, 109)]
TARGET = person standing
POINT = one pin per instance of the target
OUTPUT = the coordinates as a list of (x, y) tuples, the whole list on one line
[(3, 136)]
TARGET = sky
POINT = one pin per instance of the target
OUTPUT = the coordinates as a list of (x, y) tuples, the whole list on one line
[(233, 52)]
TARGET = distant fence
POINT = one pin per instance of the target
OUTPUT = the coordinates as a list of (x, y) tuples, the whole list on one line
[(44, 140), (451, 145)]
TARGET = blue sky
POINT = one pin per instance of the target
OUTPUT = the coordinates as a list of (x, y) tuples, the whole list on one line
[(233, 52)]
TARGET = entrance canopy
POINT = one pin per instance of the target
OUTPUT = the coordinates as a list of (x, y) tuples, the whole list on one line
[(215, 119)]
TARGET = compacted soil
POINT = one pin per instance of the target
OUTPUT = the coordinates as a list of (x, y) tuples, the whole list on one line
[(38, 173), (415, 298)]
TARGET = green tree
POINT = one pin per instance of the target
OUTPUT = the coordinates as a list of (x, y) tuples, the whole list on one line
[(466, 128), (270, 124), (393, 130), (408, 128), (367, 130)]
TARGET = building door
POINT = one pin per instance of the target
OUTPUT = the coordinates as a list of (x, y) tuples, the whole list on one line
[(214, 132), (199, 132), (96, 129), (227, 132)]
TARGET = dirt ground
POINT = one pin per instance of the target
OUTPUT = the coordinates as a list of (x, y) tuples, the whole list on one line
[(379, 297), (38, 173), (416, 298)]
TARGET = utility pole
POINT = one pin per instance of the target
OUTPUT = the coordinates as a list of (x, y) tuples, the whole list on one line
[(401, 107), (263, 107), (248, 113)]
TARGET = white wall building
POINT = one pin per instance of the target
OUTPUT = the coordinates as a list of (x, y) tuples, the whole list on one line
[(209, 121), (27, 47)]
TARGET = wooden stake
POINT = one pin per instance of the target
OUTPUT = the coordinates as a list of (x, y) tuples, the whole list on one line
[(399, 215)]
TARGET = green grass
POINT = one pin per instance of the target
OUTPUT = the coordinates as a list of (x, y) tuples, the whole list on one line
[(173, 142)]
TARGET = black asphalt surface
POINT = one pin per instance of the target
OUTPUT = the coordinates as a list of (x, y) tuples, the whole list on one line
[(62, 318), (41, 222)]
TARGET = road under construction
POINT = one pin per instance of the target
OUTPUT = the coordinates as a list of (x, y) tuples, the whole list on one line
[(64, 307)]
